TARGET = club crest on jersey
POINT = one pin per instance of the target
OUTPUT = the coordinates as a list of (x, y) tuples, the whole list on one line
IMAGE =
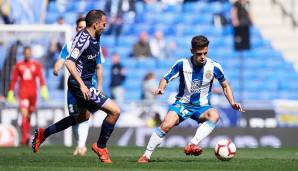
[(177, 105), (208, 74), (195, 86), (75, 53)]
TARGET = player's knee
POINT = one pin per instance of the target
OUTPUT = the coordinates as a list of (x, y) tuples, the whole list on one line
[(214, 116), (166, 127), (82, 118), (116, 112)]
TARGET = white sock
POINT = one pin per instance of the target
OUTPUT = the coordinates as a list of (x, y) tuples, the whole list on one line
[(155, 139), (75, 132), (83, 129), (203, 131)]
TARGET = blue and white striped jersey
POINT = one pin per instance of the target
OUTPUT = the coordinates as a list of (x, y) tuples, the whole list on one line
[(195, 84)]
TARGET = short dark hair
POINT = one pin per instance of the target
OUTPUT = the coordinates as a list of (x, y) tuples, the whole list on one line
[(80, 20), (199, 42), (26, 47), (93, 16)]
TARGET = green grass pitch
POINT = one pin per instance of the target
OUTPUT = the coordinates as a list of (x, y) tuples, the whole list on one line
[(124, 159)]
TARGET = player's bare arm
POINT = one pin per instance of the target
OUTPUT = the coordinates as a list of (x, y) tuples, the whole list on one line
[(99, 73), (71, 66), (161, 88), (229, 95), (58, 65)]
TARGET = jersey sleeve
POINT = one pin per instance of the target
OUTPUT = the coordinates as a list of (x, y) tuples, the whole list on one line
[(14, 78), (174, 71), (80, 43), (100, 58), (218, 72), (64, 52)]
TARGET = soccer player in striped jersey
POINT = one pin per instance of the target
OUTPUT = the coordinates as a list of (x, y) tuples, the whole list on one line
[(196, 75), (80, 130), (82, 65)]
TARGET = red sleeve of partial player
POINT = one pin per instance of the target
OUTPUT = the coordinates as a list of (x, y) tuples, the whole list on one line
[(15, 74), (40, 75)]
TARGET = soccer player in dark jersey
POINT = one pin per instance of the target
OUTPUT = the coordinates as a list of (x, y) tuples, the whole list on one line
[(82, 66)]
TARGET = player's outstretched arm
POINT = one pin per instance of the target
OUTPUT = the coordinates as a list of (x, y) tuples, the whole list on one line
[(229, 95), (162, 85), (58, 65), (71, 66)]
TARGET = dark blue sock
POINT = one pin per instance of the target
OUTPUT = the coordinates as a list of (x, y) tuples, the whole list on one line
[(105, 133), (60, 125)]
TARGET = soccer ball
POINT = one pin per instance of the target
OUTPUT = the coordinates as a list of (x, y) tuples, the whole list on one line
[(225, 150)]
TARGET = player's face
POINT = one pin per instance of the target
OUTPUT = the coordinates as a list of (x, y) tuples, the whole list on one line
[(100, 26), (200, 55), (27, 54), (81, 25)]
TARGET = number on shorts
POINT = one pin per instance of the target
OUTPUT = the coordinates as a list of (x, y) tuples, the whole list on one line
[(183, 111), (97, 92)]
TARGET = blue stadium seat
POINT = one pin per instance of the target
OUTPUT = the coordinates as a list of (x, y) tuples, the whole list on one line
[(70, 17), (122, 51), (52, 7), (148, 64), (129, 63), (285, 94), (133, 95), (52, 17), (127, 41), (107, 41), (173, 8)]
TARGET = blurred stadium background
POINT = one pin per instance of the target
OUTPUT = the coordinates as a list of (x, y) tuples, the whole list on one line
[(264, 78)]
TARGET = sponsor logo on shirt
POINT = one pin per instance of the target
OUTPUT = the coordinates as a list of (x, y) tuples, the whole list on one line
[(91, 56), (195, 86)]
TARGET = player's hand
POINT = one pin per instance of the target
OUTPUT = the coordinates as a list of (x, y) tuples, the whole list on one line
[(10, 97), (158, 91), (86, 92), (99, 89), (56, 73), (237, 106), (44, 93)]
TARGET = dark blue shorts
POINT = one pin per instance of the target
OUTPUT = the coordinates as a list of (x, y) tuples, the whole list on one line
[(96, 101), (71, 104)]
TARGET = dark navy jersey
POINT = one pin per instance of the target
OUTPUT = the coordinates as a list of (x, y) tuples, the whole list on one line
[(85, 53)]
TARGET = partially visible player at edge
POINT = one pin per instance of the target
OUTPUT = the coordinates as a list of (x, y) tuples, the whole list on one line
[(80, 131), (82, 66), (27, 71), (193, 99)]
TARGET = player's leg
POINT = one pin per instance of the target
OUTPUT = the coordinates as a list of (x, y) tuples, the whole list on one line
[(25, 124), (41, 134), (113, 112), (83, 129), (83, 115), (80, 131), (158, 135), (209, 119)]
